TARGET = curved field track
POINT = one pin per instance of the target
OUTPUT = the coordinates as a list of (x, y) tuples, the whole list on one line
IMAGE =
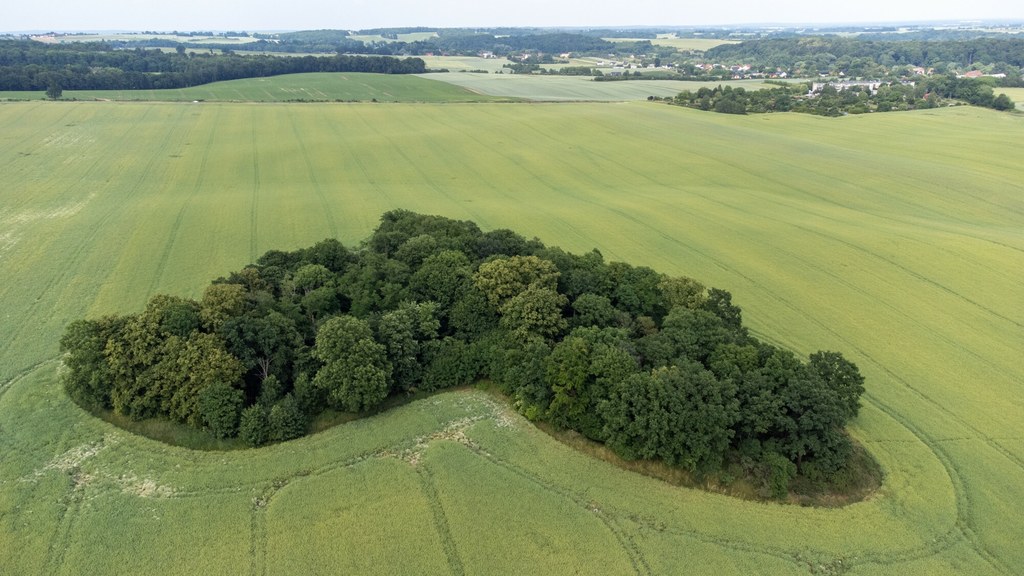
[(895, 238)]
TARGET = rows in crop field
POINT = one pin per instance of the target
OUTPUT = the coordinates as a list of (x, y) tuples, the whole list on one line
[(893, 265), (197, 185), (73, 252), (610, 515), (318, 188), (451, 552)]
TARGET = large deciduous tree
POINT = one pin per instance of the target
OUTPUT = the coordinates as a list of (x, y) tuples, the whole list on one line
[(356, 373)]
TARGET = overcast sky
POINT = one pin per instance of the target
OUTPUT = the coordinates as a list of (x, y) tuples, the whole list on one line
[(266, 15)]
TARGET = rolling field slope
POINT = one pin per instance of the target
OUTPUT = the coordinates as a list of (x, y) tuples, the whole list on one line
[(576, 88), (318, 87), (897, 239)]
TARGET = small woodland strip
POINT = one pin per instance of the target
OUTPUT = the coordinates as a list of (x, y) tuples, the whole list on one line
[(840, 98), (28, 65), (656, 367)]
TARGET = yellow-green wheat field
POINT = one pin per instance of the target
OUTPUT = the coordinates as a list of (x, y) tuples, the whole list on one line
[(897, 239)]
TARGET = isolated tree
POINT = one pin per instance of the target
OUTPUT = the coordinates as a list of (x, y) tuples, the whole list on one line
[(54, 90)]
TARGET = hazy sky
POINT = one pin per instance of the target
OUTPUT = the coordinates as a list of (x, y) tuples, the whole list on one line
[(250, 15)]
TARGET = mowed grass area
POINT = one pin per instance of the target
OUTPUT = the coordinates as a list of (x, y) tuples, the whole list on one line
[(315, 87), (895, 238)]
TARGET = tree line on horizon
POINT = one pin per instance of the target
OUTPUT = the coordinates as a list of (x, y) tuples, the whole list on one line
[(29, 65), (656, 367)]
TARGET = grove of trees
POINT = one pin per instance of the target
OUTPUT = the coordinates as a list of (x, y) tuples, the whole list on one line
[(655, 366), (830, 101)]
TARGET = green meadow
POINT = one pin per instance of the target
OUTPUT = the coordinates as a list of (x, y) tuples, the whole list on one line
[(897, 239)]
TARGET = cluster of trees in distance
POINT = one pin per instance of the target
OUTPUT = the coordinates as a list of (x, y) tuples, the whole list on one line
[(830, 100), (812, 55), (656, 367), (28, 65)]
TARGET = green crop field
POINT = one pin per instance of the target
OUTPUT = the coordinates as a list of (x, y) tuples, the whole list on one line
[(685, 44), (409, 37), (345, 86), (895, 238), (464, 63), (576, 88), (1015, 94)]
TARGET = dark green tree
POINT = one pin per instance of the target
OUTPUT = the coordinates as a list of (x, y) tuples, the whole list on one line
[(85, 373), (356, 373), (254, 425), (54, 90), (534, 311), (406, 334), (285, 420), (843, 377), (220, 407)]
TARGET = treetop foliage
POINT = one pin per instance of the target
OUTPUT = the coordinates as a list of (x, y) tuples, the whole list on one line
[(785, 52), (655, 366)]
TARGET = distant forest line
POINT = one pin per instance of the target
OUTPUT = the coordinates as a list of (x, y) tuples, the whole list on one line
[(128, 65), (28, 65)]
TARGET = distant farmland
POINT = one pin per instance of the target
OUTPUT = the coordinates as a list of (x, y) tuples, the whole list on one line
[(895, 238), (577, 88), (317, 87), (450, 87)]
